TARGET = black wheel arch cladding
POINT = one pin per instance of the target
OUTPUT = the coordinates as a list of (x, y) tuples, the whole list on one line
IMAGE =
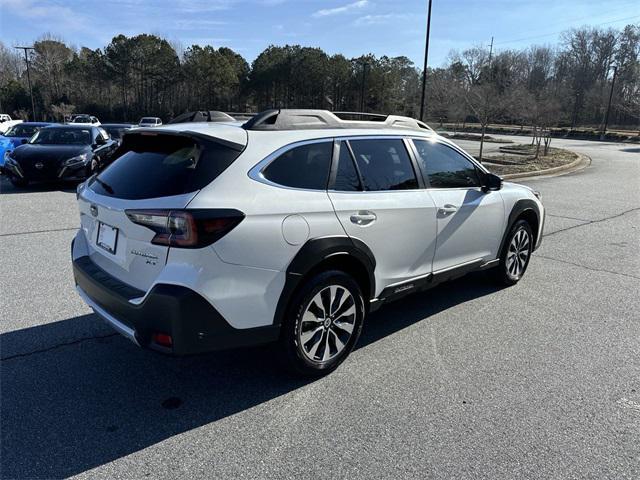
[(521, 210), (314, 253)]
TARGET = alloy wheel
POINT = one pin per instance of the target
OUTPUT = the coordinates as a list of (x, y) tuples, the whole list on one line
[(518, 253), (327, 323)]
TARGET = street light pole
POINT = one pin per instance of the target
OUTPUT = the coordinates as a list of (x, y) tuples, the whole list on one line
[(606, 118), (26, 59), (426, 56)]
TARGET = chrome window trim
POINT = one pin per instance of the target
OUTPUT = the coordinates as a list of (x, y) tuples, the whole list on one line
[(256, 171), (404, 140), (456, 148)]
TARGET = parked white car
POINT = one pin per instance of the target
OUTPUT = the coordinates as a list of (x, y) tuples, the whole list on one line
[(288, 228), (150, 122), (6, 122), (84, 119)]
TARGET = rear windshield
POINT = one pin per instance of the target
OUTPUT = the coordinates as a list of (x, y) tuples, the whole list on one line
[(150, 166)]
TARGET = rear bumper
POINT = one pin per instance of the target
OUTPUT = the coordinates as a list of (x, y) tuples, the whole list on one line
[(194, 324)]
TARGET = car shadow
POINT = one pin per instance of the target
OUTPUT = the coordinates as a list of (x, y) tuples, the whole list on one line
[(71, 408)]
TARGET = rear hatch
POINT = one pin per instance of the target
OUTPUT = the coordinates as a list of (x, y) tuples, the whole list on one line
[(155, 173)]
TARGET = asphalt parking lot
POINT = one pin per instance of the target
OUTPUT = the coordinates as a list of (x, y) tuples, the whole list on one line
[(541, 380)]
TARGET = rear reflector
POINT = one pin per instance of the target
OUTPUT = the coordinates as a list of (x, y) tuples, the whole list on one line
[(162, 339), (187, 228)]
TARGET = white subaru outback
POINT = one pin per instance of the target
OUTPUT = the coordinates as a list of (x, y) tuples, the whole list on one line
[(290, 227)]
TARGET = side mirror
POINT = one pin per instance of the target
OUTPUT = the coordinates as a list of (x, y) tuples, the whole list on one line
[(24, 140), (491, 182)]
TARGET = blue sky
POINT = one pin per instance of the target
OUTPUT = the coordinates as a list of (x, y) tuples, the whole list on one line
[(351, 27)]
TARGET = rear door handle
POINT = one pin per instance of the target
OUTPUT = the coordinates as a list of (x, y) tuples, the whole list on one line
[(363, 218), (447, 209)]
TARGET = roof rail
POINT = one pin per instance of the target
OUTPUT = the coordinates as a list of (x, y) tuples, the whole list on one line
[(237, 115), (361, 115), (308, 119)]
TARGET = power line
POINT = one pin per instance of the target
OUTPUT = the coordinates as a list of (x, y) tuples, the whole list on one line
[(561, 31)]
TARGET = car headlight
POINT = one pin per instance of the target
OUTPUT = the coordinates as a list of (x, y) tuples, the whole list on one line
[(77, 160)]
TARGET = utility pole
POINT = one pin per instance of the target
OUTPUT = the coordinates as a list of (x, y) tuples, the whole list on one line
[(26, 59), (606, 118), (485, 120), (426, 55), (490, 52), (364, 72)]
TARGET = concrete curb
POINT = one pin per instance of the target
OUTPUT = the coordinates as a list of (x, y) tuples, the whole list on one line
[(579, 163)]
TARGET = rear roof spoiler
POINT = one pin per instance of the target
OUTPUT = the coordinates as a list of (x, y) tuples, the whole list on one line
[(155, 131)]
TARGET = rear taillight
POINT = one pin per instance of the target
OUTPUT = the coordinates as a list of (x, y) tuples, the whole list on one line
[(187, 228)]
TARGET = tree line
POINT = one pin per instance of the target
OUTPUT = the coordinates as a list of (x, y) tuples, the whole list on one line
[(567, 84)]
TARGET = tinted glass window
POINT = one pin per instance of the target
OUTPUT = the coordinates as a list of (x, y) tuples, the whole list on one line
[(445, 167), (162, 165), (384, 164), (346, 176), (22, 130), (306, 166), (102, 133), (116, 132), (62, 136)]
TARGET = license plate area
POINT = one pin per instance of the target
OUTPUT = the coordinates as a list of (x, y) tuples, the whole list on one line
[(107, 237)]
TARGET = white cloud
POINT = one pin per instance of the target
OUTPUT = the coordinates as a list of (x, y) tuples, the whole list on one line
[(48, 16), (343, 9), (380, 19)]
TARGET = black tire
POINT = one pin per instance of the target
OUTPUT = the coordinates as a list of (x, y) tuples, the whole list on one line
[(334, 328), (514, 259), (18, 182)]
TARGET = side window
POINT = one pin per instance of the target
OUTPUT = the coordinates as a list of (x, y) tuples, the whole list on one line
[(346, 176), (306, 166), (445, 167), (384, 164)]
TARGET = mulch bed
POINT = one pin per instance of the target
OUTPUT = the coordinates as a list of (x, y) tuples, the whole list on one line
[(524, 160)]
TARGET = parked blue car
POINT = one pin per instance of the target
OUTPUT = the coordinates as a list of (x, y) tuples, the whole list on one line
[(15, 135)]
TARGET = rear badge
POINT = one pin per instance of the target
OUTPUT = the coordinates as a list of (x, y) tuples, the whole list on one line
[(94, 210), (39, 165), (150, 259)]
